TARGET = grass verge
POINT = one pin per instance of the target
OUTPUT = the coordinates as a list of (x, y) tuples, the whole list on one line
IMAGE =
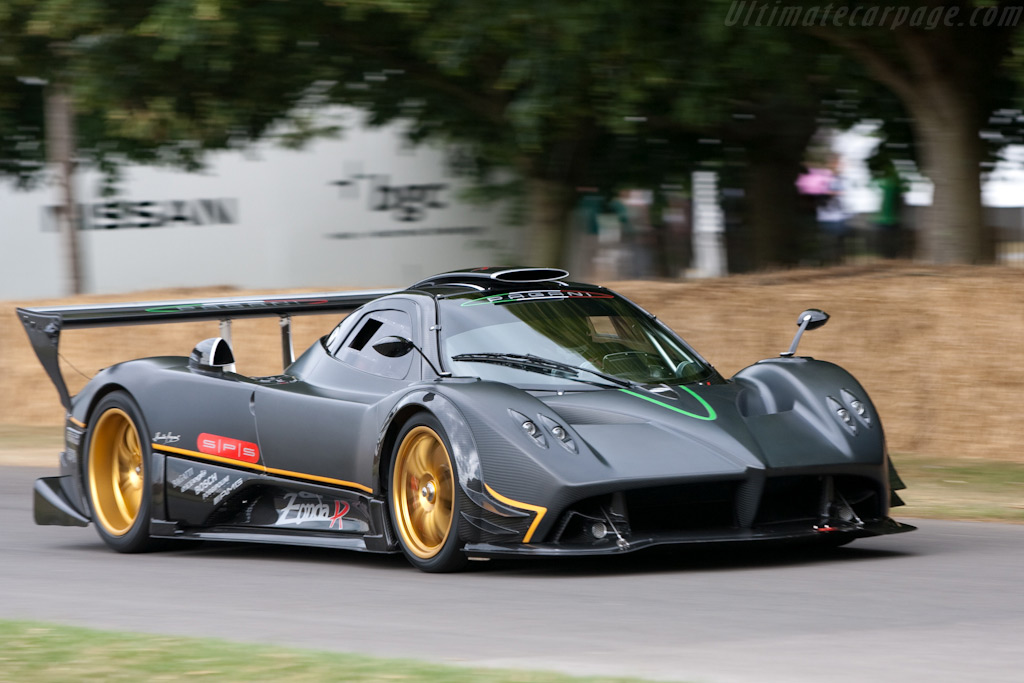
[(961, 488), (45, 653), (30, 446)]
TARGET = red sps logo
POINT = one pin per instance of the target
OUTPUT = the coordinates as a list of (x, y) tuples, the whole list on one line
[(211, 444)]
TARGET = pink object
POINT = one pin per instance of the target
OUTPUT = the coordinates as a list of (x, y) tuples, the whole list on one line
[(815, 181)]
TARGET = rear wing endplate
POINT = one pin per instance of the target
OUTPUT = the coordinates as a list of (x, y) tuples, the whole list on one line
[(45, 324)]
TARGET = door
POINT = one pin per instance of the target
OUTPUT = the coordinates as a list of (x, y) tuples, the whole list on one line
[(325, 426)]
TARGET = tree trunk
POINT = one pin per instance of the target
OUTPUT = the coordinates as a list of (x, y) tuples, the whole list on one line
[(547, 222), (774, 232), (944, 78), (953, 228), (778, 232), (60, 143)]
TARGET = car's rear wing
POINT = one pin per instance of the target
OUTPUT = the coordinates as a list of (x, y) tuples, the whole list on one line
[(45, 324)]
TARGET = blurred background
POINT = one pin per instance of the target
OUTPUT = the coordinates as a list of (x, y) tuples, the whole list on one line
[(372, 142)]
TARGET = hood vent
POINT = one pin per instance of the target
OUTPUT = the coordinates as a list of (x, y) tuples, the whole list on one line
[(578, 415)]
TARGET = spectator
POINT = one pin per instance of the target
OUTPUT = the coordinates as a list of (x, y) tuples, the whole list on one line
[(833, 228), (888, 219)]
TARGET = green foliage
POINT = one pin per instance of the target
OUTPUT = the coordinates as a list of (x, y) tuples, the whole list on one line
[(153, 82), (48, 652), (163, 81), (21, 132)]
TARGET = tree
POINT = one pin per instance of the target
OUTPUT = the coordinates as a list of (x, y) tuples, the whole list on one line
[(766, 96), (118, 88), (563, 94), (945, 63), (557, 92)]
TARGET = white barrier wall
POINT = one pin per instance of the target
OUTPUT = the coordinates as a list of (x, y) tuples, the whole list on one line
[(363, 210)]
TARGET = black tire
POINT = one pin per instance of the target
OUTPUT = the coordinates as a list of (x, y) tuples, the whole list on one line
[(118, 480), (423, 496)]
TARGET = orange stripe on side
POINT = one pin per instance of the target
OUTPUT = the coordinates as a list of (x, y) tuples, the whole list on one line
[(539, 510), (327, 480), (261, 468), (207, 456), (77, 423)]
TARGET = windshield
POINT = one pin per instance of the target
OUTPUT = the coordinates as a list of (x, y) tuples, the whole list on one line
[(587, 329)]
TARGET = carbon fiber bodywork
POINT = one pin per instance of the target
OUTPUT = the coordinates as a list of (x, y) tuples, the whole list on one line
[(303, 457)]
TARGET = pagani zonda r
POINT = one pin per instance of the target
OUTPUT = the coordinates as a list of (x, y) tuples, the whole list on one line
[(487, 413)]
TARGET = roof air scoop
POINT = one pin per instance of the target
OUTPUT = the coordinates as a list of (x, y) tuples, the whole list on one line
[(529, 274), (212, 355), (486, 277)]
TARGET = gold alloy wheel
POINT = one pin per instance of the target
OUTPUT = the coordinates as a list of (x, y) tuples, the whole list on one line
[(116, 475), (423, 492)]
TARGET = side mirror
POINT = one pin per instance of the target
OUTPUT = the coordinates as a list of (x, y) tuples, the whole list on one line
[(811, 319), (396, 347), (814, 317), (393, 347)]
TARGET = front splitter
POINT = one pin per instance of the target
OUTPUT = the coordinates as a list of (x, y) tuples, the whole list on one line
[(834, 533)]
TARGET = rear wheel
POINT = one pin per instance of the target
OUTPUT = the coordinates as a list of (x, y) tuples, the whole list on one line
[(117, 474), (423, 496)]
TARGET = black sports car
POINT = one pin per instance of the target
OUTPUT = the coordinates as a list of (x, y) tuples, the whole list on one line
[(484, 413)]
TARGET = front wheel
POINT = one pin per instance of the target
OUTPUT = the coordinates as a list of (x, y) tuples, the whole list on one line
[(424, 496), (117, 474)]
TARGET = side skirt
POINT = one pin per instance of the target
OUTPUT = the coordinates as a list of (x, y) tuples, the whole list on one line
[(205, 500), (165, 529)]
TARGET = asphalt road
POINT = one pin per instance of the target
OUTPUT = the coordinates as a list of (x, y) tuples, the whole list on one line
[(944, 603)]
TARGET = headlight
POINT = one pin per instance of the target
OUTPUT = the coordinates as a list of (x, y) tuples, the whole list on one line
[(857, 407), (560, 433), (842, 414), (530, 427), (535, 428)]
